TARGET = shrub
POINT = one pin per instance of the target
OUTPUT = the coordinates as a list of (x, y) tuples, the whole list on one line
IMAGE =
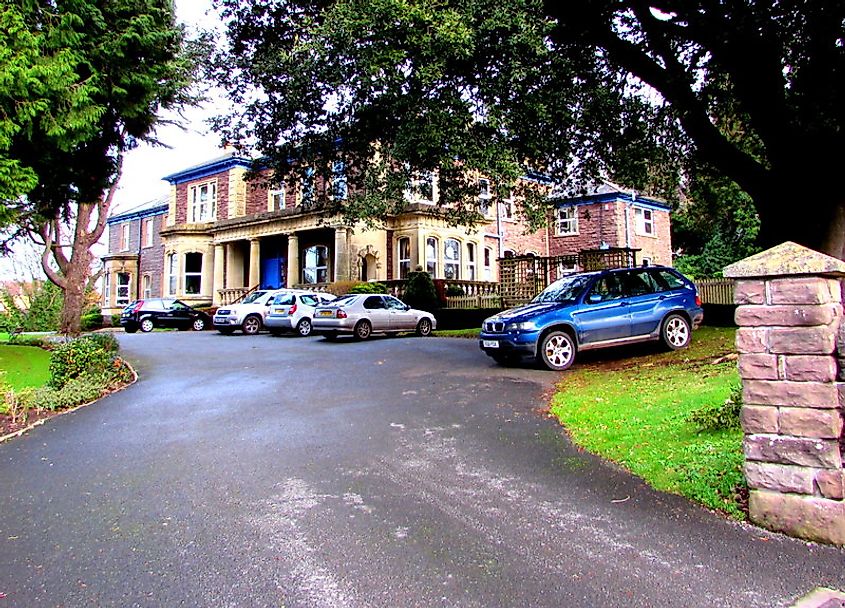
[(341, 288), (420, 291), (44, 306), (92, 320), (106, 341), (455, 290), (368, 288), (719, 417), (72, 359), (84, 388)]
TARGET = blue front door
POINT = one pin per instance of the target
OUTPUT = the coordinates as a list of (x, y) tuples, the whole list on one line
[(272, 275)]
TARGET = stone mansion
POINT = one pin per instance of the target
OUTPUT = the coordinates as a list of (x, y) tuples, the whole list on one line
[(219, 235)]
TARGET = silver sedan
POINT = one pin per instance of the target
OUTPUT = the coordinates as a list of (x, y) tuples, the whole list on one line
[(363, 314)]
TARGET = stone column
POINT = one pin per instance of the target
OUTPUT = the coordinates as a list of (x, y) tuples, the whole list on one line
[(293, 260), (789, 341), (254, 262), (219, 274), (341, 256)]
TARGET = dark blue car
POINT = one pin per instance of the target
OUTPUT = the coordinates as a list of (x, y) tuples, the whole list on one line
[(593, 310)]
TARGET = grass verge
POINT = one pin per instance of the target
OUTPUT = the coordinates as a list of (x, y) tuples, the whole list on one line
[(24, 366), (458, 333), (635, 412)]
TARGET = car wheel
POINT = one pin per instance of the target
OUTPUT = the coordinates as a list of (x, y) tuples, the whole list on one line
[(304, 327), (130, 329), (676, 332), (557, 351), (147, 325), (251, 325), (363, 330), (424, 327), (226, 331), (198, 324)]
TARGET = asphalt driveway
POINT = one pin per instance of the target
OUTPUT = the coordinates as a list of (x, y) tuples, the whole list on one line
[(258, 471)]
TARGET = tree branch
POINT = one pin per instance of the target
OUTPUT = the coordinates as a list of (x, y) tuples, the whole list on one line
[(46, 255)]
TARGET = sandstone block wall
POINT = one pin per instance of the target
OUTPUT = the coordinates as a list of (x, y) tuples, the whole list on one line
[(791, 343)]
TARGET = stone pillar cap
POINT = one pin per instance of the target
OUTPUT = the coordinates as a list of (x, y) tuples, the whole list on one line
[(786, 259)]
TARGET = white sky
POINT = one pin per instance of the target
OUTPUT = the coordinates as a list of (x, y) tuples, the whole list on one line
[(144, 167)]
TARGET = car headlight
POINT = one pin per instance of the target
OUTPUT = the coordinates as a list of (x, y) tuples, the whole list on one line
[(524, 326)]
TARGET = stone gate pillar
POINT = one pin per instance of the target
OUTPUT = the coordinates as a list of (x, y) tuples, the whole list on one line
[(790, 349)]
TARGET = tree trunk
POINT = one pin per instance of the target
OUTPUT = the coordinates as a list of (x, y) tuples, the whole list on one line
[(803, 208), (76, 272), (71, 319)]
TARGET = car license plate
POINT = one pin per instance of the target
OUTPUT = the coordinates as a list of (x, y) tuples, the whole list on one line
[(324, 313), (490, 343), (280, 312)]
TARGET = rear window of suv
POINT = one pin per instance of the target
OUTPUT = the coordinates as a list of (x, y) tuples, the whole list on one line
[(672, 280)]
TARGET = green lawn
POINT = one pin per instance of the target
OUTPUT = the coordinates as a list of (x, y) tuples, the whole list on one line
[(24, 366), (634, 411), (458, 333)]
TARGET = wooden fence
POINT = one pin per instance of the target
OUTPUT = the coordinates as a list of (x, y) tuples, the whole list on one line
[(716, 291)]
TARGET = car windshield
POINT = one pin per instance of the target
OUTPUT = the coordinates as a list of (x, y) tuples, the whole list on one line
[(253, 297), (566, 289)]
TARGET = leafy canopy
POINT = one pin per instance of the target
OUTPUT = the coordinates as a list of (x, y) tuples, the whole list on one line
[(631, 91), (82, 82)]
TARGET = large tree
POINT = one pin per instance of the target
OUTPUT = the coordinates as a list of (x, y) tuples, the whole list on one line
[(632, 91), (89, 81)]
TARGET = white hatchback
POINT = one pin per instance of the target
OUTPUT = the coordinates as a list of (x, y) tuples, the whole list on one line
[(293, 311), (248, 315)]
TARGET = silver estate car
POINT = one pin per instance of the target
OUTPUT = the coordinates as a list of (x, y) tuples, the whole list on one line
[(363, 314)]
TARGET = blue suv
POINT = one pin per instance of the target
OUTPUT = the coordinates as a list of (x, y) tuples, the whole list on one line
[(594, 310)]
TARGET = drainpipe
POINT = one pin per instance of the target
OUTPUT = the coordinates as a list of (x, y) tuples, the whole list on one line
[(499, 228), (138, 293)]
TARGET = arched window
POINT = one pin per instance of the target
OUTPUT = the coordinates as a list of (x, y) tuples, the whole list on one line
[(431, 256), (404, 256), (452, 259), (193, 273), (315, 264)]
